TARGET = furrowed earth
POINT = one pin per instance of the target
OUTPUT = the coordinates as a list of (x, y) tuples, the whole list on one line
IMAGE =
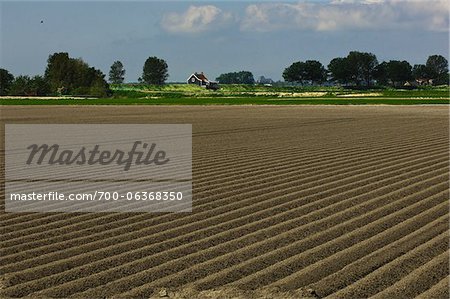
[(288, 202)]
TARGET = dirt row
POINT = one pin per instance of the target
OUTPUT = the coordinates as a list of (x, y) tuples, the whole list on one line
[(345, 202), (90, 248), (49, 250)]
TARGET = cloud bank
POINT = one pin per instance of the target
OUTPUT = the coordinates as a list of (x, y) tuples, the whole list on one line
[(348, 15), (431, 15), (196, 19)]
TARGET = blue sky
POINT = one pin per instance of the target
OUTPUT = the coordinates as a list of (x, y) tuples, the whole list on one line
[(215, 37)]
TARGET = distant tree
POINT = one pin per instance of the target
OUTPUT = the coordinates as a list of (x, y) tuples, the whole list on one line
[(6, 79), (27, 86), (117, 73), (310, 70), (21, 86), (155, 71), (315, 71), (59, 72), (437, 69), (74, 76), (380, 74), (242, 77), (398, 72), (419, 71), (362, 67), (40, 86), (98, 87), (246, 77), (227, 78), (296, 72), (340, 70)]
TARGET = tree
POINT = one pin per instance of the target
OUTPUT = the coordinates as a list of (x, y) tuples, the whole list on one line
[(6, 79), (380, 74), (437, 69), (311, 70), (27, 86), (315, 71), (246, 77), (228, 78), (39, 86), (295, 72), (21, 86), (242, 77), (74, 76), (340, 70), (362, 66), (419, 71), (99, 87), (58, 72), (155, 71), (117, 73), (398, 71)]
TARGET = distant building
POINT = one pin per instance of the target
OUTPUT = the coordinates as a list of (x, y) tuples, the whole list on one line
[(418, 82), (424, 82), (201, 80), (263, 80)]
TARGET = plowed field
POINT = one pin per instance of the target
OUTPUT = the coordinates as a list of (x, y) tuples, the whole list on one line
[(336, 202)]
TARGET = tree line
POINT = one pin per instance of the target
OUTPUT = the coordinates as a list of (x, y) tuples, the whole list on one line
[(242, 77), (363, 69), (63, 76), (72, 76), (358, 69)]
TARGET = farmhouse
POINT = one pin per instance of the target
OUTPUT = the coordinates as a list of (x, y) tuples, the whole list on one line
[(201, 80), (424, 82), (418, 82)]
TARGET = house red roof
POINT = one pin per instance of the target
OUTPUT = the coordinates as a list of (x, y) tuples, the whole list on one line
[(201, 76)]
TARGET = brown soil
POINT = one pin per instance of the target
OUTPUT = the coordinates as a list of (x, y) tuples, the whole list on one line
[(289, 202)]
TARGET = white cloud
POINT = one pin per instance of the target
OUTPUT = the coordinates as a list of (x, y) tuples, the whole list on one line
[(348, 14), (356, 1), (195, 19)]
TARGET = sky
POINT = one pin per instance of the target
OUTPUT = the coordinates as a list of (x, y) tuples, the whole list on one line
[(216, 37)]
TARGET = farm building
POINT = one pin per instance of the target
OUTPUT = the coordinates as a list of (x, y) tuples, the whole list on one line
[(201, 80)]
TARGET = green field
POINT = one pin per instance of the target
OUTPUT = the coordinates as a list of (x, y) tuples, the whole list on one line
[(183, 94)]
